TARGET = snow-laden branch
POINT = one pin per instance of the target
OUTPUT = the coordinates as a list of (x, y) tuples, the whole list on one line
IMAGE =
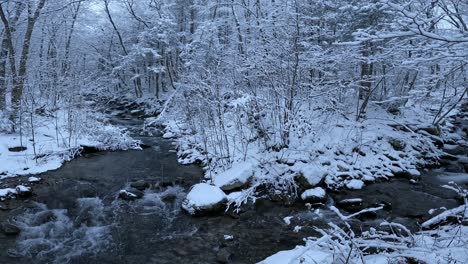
[(417, 26)]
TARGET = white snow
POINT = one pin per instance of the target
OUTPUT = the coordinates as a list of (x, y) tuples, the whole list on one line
[(54, 144), (234, 196), (6, 191), (462, 209), (18, 189), (300, 255), (311, 172), (203, 196), (351, 200), (355, 184), (22, 188), (237, 176), (314, 193), (297, 229), (287, 219), (129, 194), (168, 135), (33, 179), (228, 237)]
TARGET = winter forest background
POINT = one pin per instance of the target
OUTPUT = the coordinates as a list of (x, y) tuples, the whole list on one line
[(338, 93), (279, 61)]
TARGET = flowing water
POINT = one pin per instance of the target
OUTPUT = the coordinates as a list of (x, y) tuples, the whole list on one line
[(75, 215)]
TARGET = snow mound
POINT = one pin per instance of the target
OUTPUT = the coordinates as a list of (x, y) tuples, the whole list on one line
[(355, 184), (204, 198), (314, 195), (236, 177), (7, 191), (34, 179), (300, 254)]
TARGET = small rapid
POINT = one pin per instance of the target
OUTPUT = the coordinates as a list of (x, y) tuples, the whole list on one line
[(57, 236)]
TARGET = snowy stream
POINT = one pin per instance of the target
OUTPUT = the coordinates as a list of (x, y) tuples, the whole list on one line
[(76, 217)]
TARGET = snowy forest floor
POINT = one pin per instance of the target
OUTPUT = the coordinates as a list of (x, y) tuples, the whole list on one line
[(54, 138)]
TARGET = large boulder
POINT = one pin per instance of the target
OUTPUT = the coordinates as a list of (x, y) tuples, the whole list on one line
[(204, 198), (236, 177)]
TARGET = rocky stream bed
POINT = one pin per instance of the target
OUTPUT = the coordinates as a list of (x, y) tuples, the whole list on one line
[(79, 214)]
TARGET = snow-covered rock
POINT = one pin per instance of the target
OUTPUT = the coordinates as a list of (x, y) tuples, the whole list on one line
[(204, 198), (23, 191), (33, 179), (130, 194), (301, 254), (236, 177), (168, 135), (355, 184), (314, 195), (310, 175), (7, 192)]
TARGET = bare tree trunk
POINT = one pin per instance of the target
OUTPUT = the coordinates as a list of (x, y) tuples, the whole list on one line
[(366, 73), (137, 78), (5, 48), (66, 63), (20, 76), (3, 59)]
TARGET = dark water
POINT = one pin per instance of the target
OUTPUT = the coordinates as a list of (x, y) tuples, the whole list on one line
[(76, 217)]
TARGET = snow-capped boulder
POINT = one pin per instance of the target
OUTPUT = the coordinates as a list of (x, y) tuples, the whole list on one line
[(23, 191), (33, 179), (7, 192), (355, 184), (310, 176), (236, 177), (350, 205), (204, 198), (314, 195)]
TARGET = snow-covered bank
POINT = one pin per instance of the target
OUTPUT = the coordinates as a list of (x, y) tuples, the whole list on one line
[(55, 138), (446, 244), (331, 150)]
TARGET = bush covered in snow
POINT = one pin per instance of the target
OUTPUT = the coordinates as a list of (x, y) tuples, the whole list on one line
[(391, 243)]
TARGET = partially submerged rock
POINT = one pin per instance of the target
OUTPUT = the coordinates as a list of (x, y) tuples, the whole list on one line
[(140, 185), (33, 179), (310, 176), (23, 191), (9, 229), (130, 195), (236, 177), (314, 195), (17, 149), (351, 205), (204, 198)]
